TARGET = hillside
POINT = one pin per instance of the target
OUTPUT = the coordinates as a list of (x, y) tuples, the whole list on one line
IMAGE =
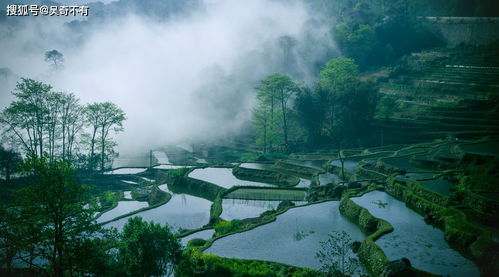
[(439, 93)]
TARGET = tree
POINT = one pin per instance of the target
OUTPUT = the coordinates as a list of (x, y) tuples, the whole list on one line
[(25, 120), (261, 115), (338, 73), (56, 212), (9, 239), (42, 121), (102, 118), (286, 45), (55, 57), (53, 105), (336, 256), (273, 96), (9, 160), (147, 249), (358, 44), (311, 106), (71, 123), (339, 109), (388, 106)]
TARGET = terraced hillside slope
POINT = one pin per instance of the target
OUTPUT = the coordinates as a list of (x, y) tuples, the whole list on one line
[(441, 93)]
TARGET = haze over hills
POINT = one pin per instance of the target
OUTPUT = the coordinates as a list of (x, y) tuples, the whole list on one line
[(180, 50), (251, 138)]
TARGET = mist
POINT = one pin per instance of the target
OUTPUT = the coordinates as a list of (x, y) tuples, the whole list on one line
[(188, 78)]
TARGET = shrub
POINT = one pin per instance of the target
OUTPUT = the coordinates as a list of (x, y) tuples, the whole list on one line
[(196, 242), (224, 227)]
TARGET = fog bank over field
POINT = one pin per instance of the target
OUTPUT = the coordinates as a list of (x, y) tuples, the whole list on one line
[(189, 77)]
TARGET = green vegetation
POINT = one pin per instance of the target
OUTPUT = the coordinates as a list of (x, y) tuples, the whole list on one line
[(157, 196), (195, 264), (336, 256), (148, 249), (102, 118), (196, 187), (52, 218), (108, 200), (267, 176), (479, 176), (9, 161), (376, 33), (216, 209), (298, 170), (196, 242), (271, 116), (223, 227), (388, 106), (267, 194), (370, 253), (43, 122), (390, 80), (339, 109), (177, 172), (474, 240), (336, 109), (152, 194), (48, 219)]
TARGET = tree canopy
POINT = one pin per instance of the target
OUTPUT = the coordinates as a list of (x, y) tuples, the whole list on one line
[(271, 116), (148, 249), (51, 218), (55, 57), (41, 121), (102, 118)]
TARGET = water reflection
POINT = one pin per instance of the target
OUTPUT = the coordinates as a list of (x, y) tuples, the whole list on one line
[(277, 241), (183, 211), (123, 207), (222, 177), (240, 208), (423, 244)]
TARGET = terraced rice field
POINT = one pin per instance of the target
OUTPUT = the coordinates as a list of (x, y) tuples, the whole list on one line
[(267, 194), (222, 177), (423, 244), (293, 238)]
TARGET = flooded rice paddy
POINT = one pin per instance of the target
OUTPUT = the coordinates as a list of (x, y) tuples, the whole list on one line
[(124, 207), (241, 208), (222, 177), (423, 244), (293, 238), (205, 234), (127, 170), (183, 211)]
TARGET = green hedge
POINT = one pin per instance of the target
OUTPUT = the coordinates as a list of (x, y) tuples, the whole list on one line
[(216, 209), (427, 194), (194, 263), (157, 196), (459, 232), (370, 254), (267, 176), (302, 171), (195, 187)]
